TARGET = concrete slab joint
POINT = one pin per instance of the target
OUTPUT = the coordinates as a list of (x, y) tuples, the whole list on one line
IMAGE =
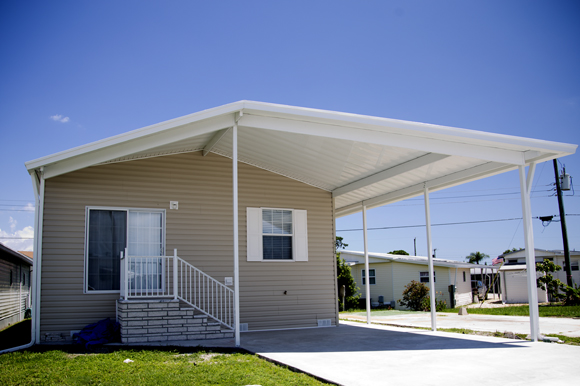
[(161, 320)]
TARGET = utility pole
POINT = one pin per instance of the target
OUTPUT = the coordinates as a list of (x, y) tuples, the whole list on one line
[(563, 224), (415, 244)]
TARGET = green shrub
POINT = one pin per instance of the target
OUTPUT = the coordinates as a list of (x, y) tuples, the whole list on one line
[(572, 297), (440, 305), (414, 295), (547, 282)]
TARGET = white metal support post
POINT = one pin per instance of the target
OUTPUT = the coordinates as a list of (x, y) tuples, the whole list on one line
[(430, 255), (525, 188), (367, 275), (175, 274), (236, 240)]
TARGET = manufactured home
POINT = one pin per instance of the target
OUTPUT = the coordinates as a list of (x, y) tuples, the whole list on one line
[(14, 285), (223, 221), (389, 274)]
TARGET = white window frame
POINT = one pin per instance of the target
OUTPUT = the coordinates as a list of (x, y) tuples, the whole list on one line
[(86, 247), (255, 234), (425, 274), (372, 275)]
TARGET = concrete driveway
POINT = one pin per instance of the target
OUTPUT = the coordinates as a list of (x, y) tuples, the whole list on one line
[(491, 323), (357, 354)]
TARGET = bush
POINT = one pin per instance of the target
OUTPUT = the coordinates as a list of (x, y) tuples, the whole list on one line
[(440, 305), (572, 297), (414, 295), (547, 282), (344, 277)]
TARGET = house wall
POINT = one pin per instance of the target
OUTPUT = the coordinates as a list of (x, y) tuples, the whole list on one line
[(462, 288), (15, 297), (562, 274), (201, 230), (514, 287), (392, 277), (404, 273), (383, 280)]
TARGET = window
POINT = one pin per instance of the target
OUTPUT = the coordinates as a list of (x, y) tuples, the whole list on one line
[(464, 280), (574, 266), (109, 232), (372, 278), (276, 234), (512, 261), (424, 277)]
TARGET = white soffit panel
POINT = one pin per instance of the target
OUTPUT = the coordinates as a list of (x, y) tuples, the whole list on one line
[(444, 167), (322, 162), (182, 146)]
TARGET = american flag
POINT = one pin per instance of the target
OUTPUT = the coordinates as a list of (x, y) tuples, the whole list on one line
[(497, 260)]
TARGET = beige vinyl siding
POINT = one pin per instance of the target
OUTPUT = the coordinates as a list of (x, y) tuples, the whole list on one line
[(201, 230), (15, 297)]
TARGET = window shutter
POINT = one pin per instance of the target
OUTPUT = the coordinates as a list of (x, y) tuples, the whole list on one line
[(254, 234), (300, 236)]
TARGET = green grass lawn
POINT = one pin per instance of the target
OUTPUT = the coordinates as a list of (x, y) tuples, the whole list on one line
[(545, 311), (149, 367)]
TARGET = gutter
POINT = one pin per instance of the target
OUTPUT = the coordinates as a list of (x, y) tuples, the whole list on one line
[(38, 187)]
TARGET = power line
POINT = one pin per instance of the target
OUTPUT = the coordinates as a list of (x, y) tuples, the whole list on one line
[(443, 224)]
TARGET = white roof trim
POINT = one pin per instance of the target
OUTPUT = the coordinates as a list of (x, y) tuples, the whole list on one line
[(421, 260), (413, 154)]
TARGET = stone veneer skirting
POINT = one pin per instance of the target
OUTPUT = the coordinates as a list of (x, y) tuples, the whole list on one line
[(165, 320)]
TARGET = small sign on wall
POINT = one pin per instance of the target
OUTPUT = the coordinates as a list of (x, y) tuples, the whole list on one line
[(229, 281)]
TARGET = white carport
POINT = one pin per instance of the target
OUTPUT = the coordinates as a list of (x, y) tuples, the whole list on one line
[(364, 161)]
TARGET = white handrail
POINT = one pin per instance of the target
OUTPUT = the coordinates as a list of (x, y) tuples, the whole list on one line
[(157, 277)]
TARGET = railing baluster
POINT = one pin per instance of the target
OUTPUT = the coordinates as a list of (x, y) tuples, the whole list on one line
[(154, 276)]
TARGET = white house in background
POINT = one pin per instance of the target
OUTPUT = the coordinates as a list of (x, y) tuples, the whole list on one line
[(14, 285), (389, 274), (513, 273)]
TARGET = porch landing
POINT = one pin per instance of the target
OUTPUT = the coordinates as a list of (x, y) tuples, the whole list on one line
[(162, 320)]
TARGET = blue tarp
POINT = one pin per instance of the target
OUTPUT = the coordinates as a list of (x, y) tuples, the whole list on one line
[(104, 331)]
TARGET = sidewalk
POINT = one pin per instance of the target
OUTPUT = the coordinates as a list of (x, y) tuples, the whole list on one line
[(490, 323)]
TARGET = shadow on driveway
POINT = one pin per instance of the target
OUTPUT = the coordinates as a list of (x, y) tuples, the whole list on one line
[(352, 338)]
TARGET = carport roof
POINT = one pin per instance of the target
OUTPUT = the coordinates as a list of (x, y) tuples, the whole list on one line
[(362, 160)]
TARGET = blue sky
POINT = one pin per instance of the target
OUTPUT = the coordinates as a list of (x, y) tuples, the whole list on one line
[(73, 72)]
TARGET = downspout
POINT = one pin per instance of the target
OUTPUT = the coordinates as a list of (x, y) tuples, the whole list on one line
[(38, 187)]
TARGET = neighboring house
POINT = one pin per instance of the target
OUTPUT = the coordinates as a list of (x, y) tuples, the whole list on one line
[(389, 274), (15, 270), (513, 273), (231, 211)]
